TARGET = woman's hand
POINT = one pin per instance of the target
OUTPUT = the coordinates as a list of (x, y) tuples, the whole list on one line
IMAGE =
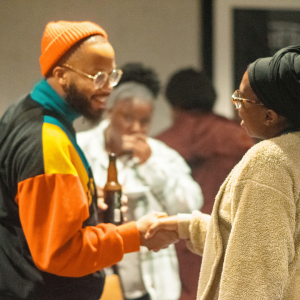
[(160, 239), (166, 223), (137, 145)]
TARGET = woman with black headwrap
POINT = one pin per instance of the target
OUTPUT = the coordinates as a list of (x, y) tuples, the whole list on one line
[(251, 241)]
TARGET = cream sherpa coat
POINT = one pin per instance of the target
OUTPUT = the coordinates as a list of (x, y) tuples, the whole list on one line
[(252, 247)]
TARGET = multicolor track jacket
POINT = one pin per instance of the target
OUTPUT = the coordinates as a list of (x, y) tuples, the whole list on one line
[(50, 245)]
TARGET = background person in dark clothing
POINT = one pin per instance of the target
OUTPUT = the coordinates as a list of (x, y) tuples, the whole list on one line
[(211, 145)]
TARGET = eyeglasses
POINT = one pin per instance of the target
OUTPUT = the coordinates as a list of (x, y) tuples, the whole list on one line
[(237, 100), (101, 77)]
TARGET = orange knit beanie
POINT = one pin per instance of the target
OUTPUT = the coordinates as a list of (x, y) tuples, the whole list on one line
[(60, 36)]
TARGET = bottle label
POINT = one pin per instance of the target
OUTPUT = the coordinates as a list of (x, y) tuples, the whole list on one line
[(113, 213), (117, 215)]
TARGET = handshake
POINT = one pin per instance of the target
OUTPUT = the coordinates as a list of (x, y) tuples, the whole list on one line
[(157, 230)]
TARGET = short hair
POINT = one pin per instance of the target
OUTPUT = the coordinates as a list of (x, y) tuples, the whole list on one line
[(189, 89), (138, 73)]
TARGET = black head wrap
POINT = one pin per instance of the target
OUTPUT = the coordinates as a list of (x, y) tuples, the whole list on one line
[(276, 82)]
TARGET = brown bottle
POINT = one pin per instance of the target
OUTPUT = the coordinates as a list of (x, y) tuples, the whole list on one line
[(112, 194)]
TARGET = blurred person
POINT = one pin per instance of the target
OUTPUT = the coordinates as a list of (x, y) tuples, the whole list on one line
[(211, 145), (250, 243), (154, 177), (51, 247)]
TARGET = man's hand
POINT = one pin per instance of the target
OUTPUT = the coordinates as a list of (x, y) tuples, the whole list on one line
[(137, 145), (161, 239), (100, 200), (166, 224)]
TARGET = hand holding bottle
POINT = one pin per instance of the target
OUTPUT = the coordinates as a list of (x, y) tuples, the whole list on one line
[(100, 201), (103, 206)]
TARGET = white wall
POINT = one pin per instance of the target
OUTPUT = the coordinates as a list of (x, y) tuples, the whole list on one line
[(163, 34), (223, 44)]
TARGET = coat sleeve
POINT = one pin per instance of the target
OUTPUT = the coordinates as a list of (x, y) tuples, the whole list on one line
[(193, 228), (261, 245), (52, 209), (53, 205)]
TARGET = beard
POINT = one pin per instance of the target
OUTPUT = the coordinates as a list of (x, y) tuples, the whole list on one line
[(81, 104)]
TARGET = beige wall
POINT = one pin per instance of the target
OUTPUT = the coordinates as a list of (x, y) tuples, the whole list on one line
[(164, 34)]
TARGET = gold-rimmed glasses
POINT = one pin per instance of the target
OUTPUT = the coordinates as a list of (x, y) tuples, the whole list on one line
[(101, 77), (237, 100)]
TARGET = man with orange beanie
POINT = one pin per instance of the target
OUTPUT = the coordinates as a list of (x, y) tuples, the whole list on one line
[(50, 244)]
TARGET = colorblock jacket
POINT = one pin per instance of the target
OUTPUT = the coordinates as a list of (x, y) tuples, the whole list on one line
[(50, 245)]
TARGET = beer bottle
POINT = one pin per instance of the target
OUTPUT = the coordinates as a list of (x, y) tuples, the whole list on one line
[(112, 194)]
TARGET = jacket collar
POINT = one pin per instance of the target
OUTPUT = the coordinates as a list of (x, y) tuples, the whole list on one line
[(45, 95)]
